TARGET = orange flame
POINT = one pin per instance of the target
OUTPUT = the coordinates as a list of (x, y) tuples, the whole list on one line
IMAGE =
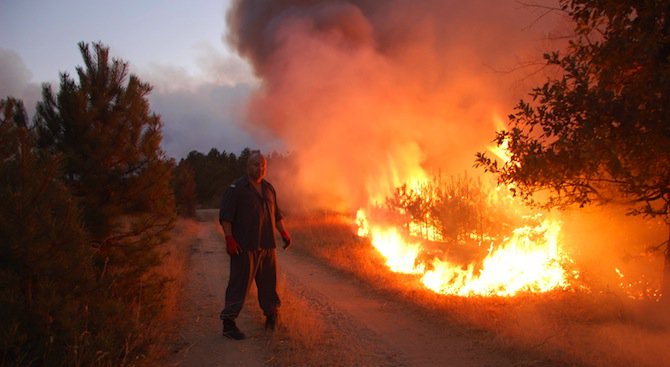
[(401, 256), (523, 263), (528, 260)]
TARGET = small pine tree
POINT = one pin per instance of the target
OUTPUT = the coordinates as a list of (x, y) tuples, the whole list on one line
[(110, 147)]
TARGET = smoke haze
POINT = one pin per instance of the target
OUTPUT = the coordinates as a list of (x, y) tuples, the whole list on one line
[(372, 93), (369, 93), (16, 80)]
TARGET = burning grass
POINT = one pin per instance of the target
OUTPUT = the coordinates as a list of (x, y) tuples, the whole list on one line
[(465, 239), (597, 327)]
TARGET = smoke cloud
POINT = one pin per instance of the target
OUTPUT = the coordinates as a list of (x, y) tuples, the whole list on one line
[(16, 80), (202, 118), (370, 94), (202, 110)]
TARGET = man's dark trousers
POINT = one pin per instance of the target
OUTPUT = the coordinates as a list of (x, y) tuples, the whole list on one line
[(259, 265)]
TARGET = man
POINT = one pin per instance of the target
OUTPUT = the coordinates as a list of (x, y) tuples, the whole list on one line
[(249, 214)]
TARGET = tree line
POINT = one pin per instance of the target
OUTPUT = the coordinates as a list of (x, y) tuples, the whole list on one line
[(210, 174)]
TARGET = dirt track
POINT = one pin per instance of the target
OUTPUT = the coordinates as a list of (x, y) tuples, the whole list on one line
[(386, 332)]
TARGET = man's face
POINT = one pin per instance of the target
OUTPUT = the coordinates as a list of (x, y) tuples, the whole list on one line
[(257, 167)]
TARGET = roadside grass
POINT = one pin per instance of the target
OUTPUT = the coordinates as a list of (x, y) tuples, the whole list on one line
[(596, 328), (174, 267), (305, 338)]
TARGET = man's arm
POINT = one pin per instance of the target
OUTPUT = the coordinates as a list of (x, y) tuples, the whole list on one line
[(227, 228), (284, 233), (232, 247)]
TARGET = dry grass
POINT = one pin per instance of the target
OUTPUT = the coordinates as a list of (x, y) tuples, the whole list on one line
[(308, 335), (174, 268), (599, 328), (175, 263), (302, 338)]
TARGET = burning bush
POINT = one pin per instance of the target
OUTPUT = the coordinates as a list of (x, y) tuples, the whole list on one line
[(464, 239)]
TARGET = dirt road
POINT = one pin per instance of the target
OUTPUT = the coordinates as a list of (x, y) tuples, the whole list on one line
[(386, 332)]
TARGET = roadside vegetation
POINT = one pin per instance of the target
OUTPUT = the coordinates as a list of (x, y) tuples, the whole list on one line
[(88, 208), (601, 328)]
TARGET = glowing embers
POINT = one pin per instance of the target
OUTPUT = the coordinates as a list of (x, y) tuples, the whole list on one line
[(640, 288)]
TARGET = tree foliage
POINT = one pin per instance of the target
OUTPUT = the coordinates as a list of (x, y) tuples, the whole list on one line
[(213, 173), (602, 129), (46, 272), (112, 161), (460, 210), (108, 142), (183, 183)]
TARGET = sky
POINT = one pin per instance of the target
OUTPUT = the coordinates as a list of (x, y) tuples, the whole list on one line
[(200, 84), (378, 90)]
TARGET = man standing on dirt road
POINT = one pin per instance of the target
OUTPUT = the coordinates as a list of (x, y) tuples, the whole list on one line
[(249, 214)]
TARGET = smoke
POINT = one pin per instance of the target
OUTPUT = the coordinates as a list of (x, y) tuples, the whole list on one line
[(370, 94), (203, 109), (204, 117), (15, 80)]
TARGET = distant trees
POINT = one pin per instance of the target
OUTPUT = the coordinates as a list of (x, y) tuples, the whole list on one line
[(183, 184), (601, 129), (214, 172), (87, 201)]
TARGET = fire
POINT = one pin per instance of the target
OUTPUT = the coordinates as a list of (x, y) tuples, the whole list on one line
[(400, 255), (529, 260), (641, 288), (362, 223)]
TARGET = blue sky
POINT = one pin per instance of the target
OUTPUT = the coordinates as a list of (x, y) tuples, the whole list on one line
[(177, 46)]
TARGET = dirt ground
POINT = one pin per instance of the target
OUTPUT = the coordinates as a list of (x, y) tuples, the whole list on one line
[(200, 342), (389, 333)]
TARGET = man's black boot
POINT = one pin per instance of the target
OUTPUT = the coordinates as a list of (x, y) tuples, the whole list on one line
[(230, 330), (271, 322)]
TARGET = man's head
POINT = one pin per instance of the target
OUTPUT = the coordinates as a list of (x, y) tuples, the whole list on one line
[(256, 166)]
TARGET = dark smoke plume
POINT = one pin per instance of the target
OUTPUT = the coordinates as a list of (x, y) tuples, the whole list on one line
[(371, 94)]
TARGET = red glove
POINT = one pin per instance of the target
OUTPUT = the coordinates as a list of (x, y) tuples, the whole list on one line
[(286, 238), (232, 247)]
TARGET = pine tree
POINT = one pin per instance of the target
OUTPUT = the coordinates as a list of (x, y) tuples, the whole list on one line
[(46, 273), (109, 141)]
